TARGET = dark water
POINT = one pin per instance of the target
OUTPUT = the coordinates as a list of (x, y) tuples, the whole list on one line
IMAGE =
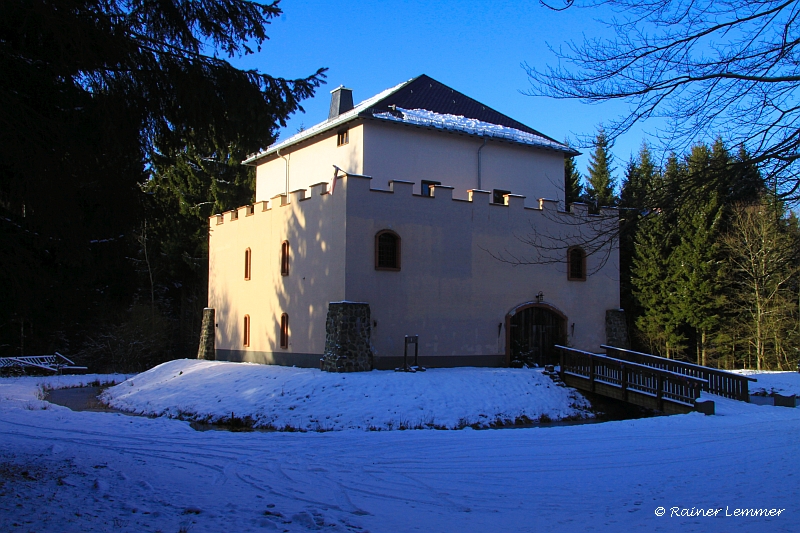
[(80, 399), (86, 399)]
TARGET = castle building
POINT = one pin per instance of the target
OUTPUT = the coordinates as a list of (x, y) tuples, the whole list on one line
[(444, 215)]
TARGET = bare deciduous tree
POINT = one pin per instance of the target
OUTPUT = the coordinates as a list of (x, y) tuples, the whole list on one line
[(712, 67), (763, 261)]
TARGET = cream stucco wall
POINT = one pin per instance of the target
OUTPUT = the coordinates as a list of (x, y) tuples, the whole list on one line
[(310, 162), (389, 151), (315, 228), (450, 290), (414, 153)]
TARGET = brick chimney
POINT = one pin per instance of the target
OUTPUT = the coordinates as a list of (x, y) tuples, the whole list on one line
[(341, 101)]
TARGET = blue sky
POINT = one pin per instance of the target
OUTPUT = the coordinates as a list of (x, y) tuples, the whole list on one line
[(474, 47)]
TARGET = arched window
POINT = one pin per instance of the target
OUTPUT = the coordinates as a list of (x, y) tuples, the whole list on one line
[(285, 258), (247, 256), (576, 264), (387, 250), (246, 339), (284, 330)]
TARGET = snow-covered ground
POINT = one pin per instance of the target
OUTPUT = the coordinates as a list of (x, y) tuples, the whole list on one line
[(785, 383), (308, 399), (64, 471)]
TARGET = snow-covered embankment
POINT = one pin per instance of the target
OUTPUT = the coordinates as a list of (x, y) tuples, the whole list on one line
[(311, 400)]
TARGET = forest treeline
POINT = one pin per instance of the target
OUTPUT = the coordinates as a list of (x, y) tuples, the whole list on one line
[(708, 255), (123, 128)]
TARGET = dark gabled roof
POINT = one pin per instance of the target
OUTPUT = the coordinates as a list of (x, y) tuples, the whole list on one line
[(423, 92)]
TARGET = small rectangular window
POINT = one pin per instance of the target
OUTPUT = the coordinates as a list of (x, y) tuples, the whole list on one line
[(247, 259), (284, 330), (342, 137), (246, 331), (285, 258), (497, 196), (576, 264), (427, 187)]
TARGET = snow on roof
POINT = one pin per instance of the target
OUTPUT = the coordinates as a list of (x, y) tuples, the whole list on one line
[(328, 124), (376, 107), (423, 117)]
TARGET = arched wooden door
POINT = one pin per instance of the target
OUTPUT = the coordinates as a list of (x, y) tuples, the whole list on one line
[(533, 331)]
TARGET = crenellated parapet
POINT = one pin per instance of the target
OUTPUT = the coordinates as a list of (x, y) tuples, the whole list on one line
[(402, 191)]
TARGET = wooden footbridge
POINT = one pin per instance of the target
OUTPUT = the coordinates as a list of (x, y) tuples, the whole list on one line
[(649, 381)]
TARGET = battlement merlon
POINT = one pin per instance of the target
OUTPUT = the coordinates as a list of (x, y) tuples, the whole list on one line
[(514, 201), (442, 192), (319, 189), (297, 196), (362, 186)]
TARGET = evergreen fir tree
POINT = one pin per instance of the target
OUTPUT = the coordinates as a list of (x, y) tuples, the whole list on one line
[(93, 92), (573, 190), (636, 200), (600, 187), (679, 271), (698, 280), (639, 184), (187, 186), (747, 184), (652, 271)]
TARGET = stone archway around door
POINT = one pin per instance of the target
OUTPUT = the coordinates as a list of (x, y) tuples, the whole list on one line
[(532, 331)]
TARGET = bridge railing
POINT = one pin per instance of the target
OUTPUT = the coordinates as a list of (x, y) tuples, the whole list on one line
[(662, 385), (51, 363), (720, 382)]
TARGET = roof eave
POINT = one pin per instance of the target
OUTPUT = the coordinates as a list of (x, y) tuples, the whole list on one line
[(359, 111), (566, 150), (291, 141)]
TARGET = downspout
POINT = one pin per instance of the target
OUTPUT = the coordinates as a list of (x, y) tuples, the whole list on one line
[(287, 172), (479, 163)]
